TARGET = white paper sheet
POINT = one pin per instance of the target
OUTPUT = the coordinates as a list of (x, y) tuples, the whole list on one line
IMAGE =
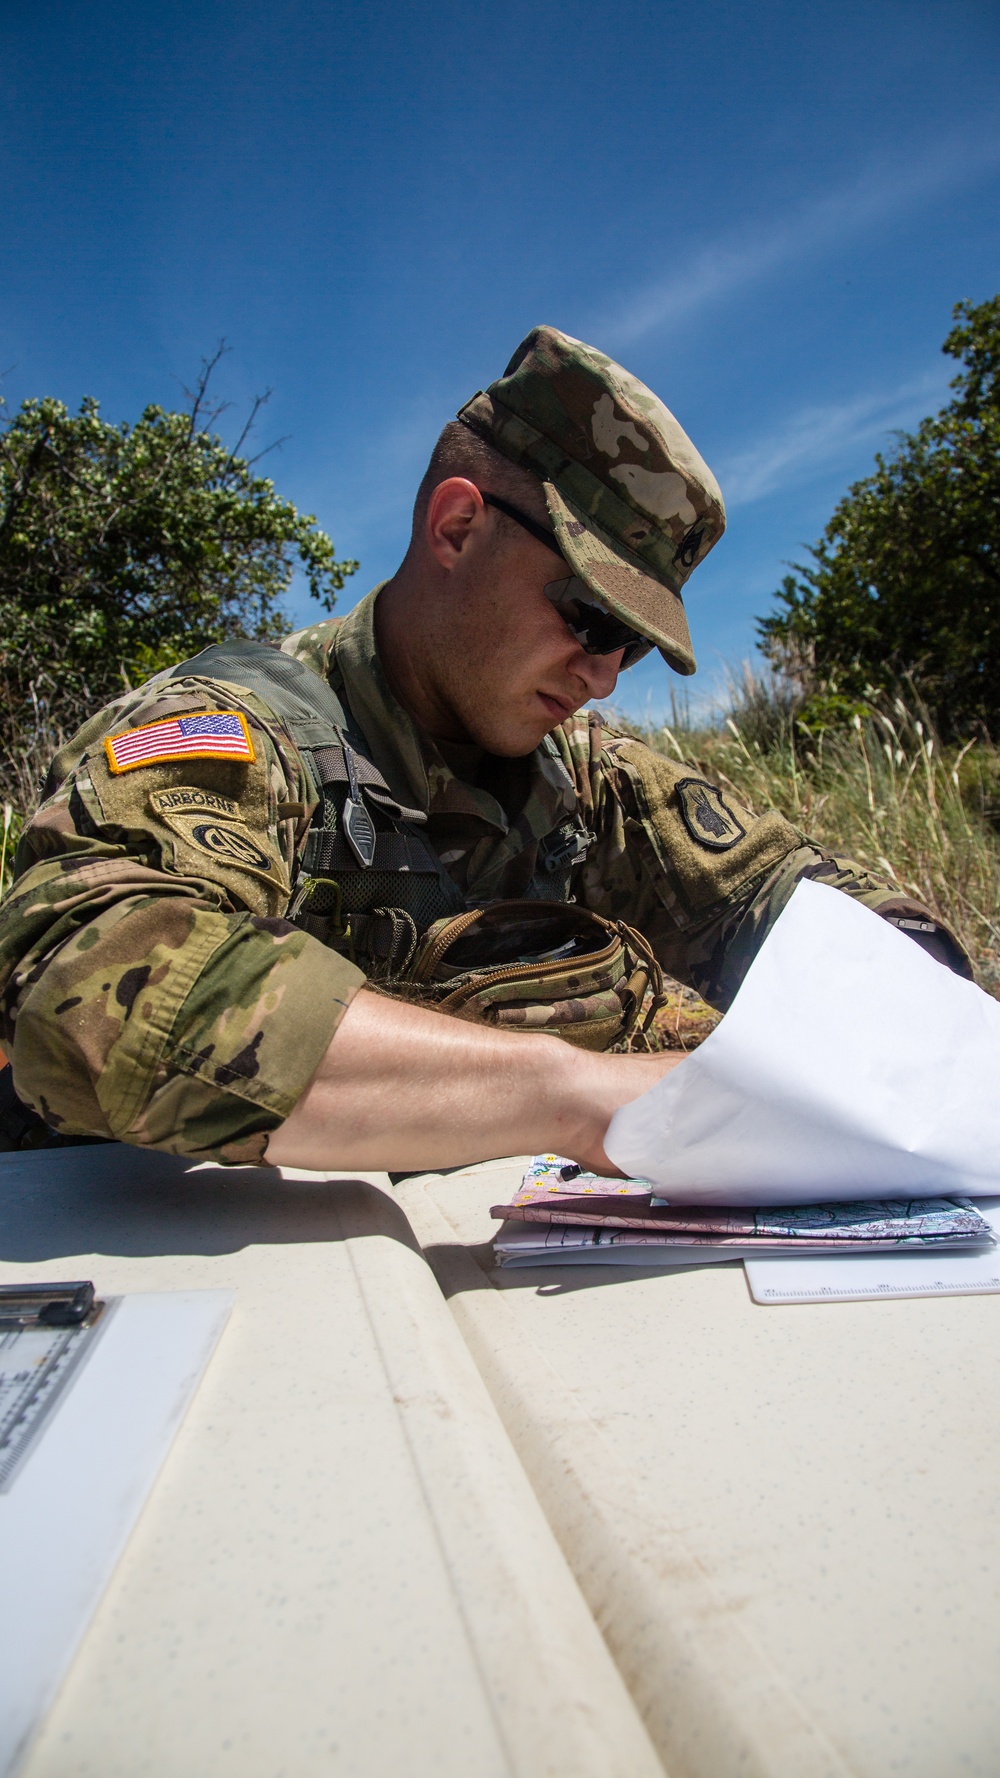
[(850, 1065), (533, 1244)]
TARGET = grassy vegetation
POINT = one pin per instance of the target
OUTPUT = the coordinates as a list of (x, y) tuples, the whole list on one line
[(881, 789), (26, 748)]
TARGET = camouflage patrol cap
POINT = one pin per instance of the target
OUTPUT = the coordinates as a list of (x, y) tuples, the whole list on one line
[(633, 506)]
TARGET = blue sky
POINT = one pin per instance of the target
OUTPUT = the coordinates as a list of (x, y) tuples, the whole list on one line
[(766, 212)]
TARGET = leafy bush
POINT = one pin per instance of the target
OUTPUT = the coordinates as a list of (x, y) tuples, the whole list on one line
[(125, 549), (905, 582)]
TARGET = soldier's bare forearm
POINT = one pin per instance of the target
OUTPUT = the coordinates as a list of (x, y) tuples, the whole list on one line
[(401, 1087)]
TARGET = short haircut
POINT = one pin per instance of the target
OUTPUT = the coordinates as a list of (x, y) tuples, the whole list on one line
[(460, 451)]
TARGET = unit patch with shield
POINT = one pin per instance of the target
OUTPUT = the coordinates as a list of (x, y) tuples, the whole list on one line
[(707, 817)]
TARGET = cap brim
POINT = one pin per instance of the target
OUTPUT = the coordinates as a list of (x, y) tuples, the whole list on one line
[(620, 581)]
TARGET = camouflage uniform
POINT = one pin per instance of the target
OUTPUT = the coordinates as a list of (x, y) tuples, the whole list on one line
[(152, 988), (154, 992)]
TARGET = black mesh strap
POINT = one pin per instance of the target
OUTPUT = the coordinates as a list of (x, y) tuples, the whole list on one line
[(329, 852), (332, 769)]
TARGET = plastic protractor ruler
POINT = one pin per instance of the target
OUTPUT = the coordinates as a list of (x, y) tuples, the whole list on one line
[(36, 1364)]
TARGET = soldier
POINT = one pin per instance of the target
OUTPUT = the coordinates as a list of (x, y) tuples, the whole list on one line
[(240, 874)]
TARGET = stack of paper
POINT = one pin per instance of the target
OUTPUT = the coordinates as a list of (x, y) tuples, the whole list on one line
[(562, 1215)]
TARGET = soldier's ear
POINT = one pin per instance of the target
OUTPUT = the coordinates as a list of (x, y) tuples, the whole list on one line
[(455, 514)]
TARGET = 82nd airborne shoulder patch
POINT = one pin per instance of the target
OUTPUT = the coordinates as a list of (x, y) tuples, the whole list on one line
[(707, 817), (211, 825)]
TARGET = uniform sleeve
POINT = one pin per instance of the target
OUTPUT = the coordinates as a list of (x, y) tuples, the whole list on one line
[(151, 989), (705, 879)]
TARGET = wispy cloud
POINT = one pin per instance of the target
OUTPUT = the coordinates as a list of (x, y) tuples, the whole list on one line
[(819, 437), (742, 258)]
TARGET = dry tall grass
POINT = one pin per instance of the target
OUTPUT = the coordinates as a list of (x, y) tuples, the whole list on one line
[(27, 744), (883, 790)]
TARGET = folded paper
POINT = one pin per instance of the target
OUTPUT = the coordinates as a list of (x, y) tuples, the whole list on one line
[(850, 1065)]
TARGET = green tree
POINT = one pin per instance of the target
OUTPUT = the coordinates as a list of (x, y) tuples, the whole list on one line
[(126, 548), (906, 578)]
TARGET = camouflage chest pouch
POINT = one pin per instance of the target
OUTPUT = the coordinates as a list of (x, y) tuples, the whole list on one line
[(537, 966)]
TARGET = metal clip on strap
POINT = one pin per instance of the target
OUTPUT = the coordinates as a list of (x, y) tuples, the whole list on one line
[(565, 846), (358, 826), (332, 768)]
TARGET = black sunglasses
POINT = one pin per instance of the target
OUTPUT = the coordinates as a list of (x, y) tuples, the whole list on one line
[(596, 630)]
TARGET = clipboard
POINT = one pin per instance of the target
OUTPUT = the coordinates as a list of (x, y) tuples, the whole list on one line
[(90, 1402)]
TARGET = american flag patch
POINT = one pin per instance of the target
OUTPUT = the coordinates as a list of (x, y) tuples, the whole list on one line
[(217, 734)]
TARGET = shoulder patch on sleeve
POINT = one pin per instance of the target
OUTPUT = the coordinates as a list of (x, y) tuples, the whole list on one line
[(205, 734), (706, 848), (707, 816), (210, 824)]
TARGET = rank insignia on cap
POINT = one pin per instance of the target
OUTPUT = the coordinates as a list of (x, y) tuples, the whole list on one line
[(205, 734), (707, 818)]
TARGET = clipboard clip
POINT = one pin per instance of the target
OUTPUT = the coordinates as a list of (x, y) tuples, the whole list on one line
[(46, 1305)]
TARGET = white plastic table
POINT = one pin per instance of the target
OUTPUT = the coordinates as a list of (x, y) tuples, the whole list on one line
[(342, 1568), (786, 1521)]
